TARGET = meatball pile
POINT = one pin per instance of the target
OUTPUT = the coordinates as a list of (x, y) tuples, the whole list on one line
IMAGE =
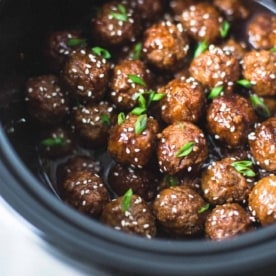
[(159, 119)]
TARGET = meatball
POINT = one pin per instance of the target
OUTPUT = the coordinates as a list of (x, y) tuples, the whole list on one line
[(202, 21), (182, 147), (262, 144), (216, 67), (230, 118), (60, 45), (237, 48), (143, 182), (56, 142), (184, 100), (226, 221), (84, 190), (135, 218), (261, 31), (259, 68), (232, 9), (165, 45), (178, 211), (262, 200), (46, 99), (92, 123), (86, 75), (132, 142), (222, 183), (124, 86), (116, 23)]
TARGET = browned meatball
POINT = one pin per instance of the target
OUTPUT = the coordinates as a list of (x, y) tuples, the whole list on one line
[(132, 142), (92, 123), (237, 48), (165, 45), (136, 218), (123, 85), (232, 9), (85, 191), (261, 31), (262, 144), (116, 23), (59, 45), (262, 200), (86, 75), (46, 99), (226, 221), (182, 147), (178, 211), (216, 67), (56, 142), (202, 21), (222, 183), (143, 182), (259, 68), (230, 118), (184, 100)]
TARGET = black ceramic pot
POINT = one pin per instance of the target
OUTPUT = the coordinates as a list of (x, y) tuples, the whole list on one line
[(81, 240)]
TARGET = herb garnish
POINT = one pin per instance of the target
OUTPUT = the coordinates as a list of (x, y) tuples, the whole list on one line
[(140, 124), (121, 15), (121, 118), (273, 49), (126, 200), (105, 119), (137, 51), (259, 105), (215, 92), (224, 29), (245, 83), (73, 42), (136, 79), (53, 142), (170, 180), (204, 208), (243, 167), (201, 47), (99, 51), (185, 149)]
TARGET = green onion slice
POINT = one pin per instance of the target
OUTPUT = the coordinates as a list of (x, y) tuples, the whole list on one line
[(121, 118), (105, 119), (99, 51), (53, 142), (224, 30), (140, 124), (204, 208), (243, 167), (74, 42), (137, 51), (185, 149), (121, 15), (259, 105), (245, 83), (215, 92), (201, 47), (170, 180), (126, 201), (136, 79)]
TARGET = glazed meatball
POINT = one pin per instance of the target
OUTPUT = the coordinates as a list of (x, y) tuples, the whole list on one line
[(182, 147), (59, 46), (177, 210), (222, 183), (226, 221), (56, 142), (230, 118), (165, 45), (116, 23), (184, 100), (202, 21), (123, 86), (262, 200), (136, 218), (132, 142), (84, 190), (237, 48), (86, 75), (143, 182), (232, 9), (92, 123), (261, 31), (259, 68), (46, 99), (216, 67), (262, 144)]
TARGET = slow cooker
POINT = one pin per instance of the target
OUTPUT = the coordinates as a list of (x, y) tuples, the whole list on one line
[(73, 237)]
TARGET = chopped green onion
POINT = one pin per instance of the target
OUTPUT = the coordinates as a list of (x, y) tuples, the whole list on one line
[(243, 167), (101, 52), (137, 51), (121, 15), (142, 107), (245, 83), (170, 180), (53, 142), (273, 49), (224, 30), (215, 92), (138, 110), (155, 97), (136, 79), (259, 105), (126, 200), (140, 124), (121, 118), (105, 119), (204, 208), (201, 47), (73, 42), (185, 149)]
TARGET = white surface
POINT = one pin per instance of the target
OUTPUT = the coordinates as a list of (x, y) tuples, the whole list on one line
[(21, 251)]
